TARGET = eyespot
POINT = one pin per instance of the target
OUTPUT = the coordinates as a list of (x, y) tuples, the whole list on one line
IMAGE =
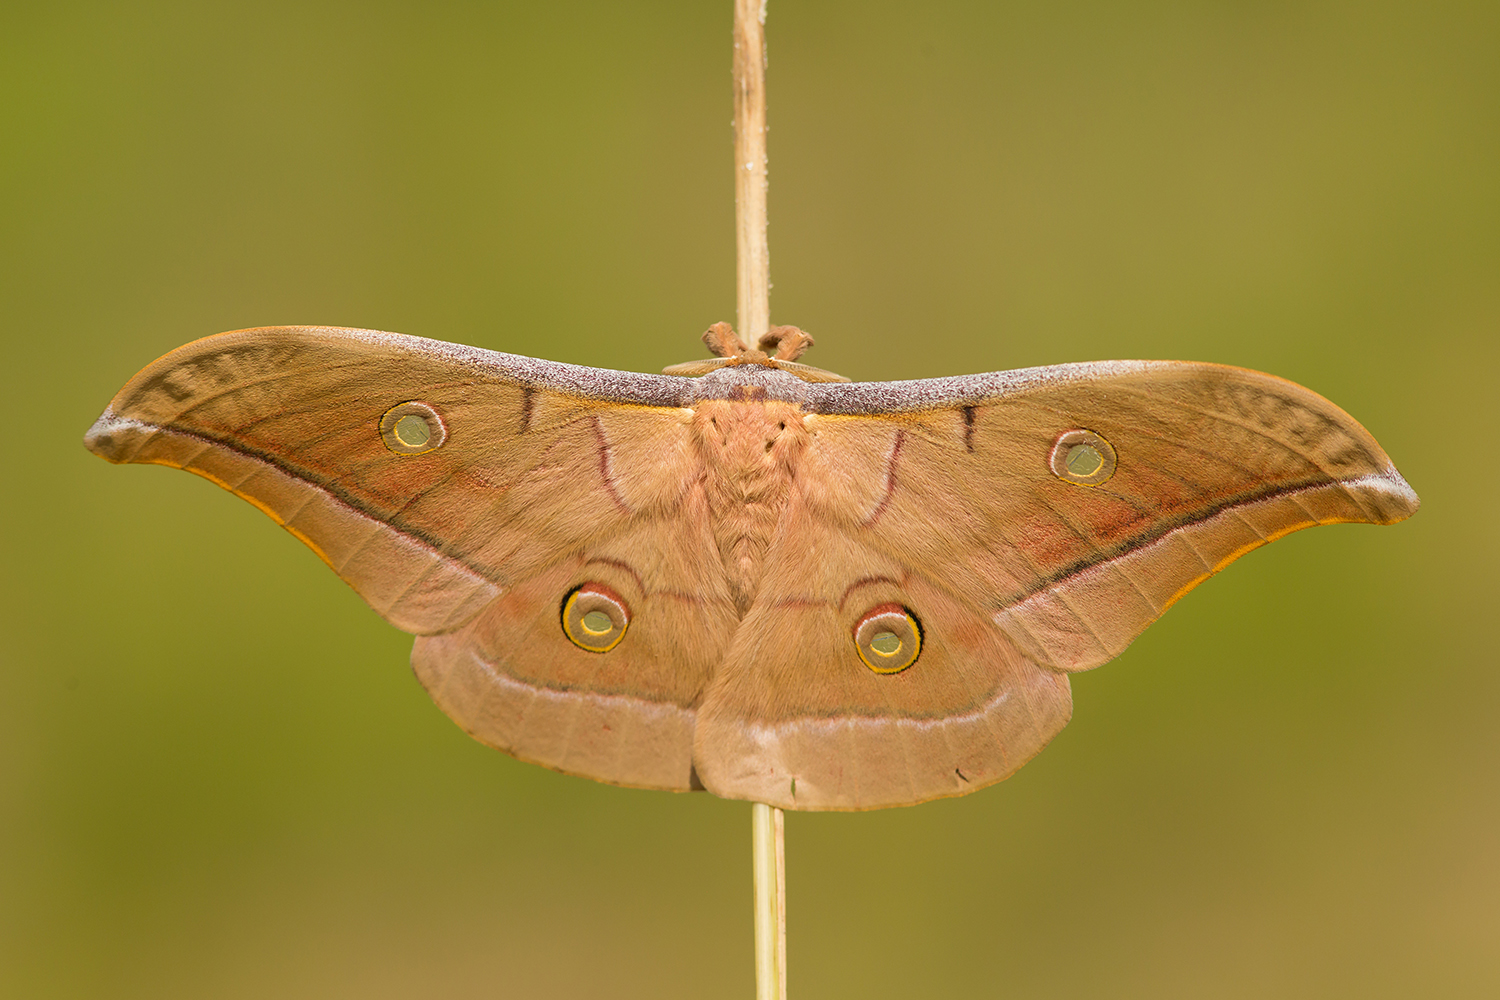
[(1082, 457), (594, 617), (412, 428), (889, 638)]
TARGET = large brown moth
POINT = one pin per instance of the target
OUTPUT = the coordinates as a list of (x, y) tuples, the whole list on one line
[(746, 574)]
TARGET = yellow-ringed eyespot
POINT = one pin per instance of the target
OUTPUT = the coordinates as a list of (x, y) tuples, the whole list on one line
[(594, 617), (889, 638), (412, 428), (1082, 457)]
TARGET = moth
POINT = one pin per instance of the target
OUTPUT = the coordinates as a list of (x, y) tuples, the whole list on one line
[(746, 574)]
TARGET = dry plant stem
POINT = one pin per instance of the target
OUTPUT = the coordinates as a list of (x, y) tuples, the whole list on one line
[(767, 826), (753, 258), (753, 253)]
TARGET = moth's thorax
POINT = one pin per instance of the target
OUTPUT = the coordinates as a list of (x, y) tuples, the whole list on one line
[(748, 382), (748, 450)]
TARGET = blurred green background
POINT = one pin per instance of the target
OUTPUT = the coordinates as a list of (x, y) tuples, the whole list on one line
[(217, 776)]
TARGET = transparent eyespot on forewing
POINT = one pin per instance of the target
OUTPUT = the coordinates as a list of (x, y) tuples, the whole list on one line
[(594, 617), (889, 638), (1082, 457), (412, 428)]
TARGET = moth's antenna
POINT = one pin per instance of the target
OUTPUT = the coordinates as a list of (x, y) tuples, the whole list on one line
[(753, 256)]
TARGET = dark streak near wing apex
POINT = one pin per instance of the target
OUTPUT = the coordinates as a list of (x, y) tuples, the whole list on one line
[(323, 483), (1162, 529)]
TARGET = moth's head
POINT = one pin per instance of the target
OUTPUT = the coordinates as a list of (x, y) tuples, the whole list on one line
[(787, 343)]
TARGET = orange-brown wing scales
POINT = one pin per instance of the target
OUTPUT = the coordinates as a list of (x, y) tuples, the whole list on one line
[(513, 680), (474, 544), (406, 579), (955, 513), (1088, 617), (796, 719), (289, 419), (1212, 461)]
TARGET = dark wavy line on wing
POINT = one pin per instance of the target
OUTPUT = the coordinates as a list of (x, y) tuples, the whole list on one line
[(326, 484), (1162, 529)]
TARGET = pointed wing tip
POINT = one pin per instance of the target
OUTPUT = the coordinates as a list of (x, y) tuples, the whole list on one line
[(1394, 499), (107, 437)]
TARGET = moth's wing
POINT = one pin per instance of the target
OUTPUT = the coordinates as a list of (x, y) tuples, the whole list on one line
[(513, 680), (546, 472), (943, 489), (796, 719), (1212, 461)]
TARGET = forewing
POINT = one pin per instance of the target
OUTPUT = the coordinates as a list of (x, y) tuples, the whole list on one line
[(1211, 462), (289, 418)]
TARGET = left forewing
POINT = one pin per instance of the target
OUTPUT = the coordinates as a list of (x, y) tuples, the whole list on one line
[(524, 460)]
